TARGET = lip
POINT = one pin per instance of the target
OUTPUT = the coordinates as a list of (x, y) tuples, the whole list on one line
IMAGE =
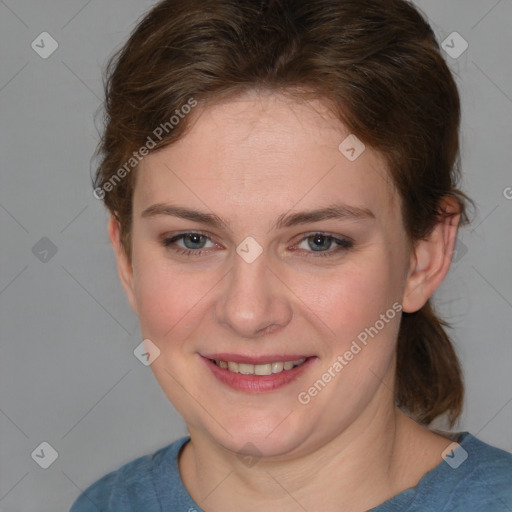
[(256, 383)]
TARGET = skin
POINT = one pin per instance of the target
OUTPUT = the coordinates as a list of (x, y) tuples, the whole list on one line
[(250, 160)]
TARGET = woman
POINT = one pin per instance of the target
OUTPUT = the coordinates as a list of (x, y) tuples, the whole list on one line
[(282, 183)]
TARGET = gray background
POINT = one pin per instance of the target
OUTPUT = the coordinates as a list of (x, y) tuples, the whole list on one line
[(68, 373)]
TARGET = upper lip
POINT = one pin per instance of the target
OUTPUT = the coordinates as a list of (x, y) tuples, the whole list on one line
[(261, 359)]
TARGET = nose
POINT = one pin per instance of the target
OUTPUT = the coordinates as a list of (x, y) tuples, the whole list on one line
[(254, 301)]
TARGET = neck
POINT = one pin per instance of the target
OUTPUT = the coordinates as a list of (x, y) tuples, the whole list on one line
[(361, 467)]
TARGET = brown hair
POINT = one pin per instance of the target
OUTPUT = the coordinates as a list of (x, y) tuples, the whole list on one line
[(375, 62)]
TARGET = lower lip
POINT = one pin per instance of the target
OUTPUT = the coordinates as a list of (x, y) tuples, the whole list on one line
[(257, 383)]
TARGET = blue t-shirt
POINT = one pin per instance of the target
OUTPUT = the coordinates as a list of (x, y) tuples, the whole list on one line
[(474, 477)]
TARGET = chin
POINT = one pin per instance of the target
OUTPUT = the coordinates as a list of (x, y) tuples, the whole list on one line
[(268, 438)]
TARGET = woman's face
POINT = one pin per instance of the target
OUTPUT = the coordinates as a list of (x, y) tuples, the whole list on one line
[(293, 248)]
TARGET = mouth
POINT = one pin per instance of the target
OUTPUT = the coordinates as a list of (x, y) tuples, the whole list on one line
[(257, 374), (259, 369)]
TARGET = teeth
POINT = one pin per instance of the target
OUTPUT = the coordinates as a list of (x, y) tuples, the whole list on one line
[(262, 369), (259, 369), (246, 369), (233, 367), (277, 367)]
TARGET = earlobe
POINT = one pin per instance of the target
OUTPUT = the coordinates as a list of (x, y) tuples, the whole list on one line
[(124, 266), (430, 260)]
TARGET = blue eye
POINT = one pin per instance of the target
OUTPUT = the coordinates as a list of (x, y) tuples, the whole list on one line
[(318, 244), (322, 243), (194, 240), (192, 243)]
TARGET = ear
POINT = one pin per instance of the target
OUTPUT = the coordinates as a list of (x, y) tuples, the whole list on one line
[(124, 266), (431, 259)]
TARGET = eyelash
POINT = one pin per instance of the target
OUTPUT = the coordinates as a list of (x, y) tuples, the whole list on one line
[(343, 244)]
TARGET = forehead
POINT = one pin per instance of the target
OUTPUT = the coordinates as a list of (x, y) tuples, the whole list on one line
[(265, 153)]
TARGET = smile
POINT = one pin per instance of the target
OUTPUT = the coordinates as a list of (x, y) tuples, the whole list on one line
[(259, 369), (257, 374)]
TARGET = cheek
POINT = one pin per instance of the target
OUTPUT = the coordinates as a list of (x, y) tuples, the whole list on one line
[(167, 300), (353, 297), (360, 305)]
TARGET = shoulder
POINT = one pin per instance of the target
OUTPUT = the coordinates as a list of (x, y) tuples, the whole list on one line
[(132, 485), (487, 478), (473, 476)]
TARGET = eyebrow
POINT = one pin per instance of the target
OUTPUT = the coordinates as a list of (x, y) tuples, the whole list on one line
[(335, 211)]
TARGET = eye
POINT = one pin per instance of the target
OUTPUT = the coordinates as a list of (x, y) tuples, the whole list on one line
[(318, 244), (191, 243), (324, 244)]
